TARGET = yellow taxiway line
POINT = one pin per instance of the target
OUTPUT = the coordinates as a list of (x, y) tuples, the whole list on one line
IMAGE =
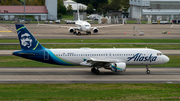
[(5, 31)]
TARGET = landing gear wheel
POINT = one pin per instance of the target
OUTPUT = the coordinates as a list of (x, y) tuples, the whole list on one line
[(88, 33), (97, 72), (93, 70), (79, 33), (148, 71), (147, 68)]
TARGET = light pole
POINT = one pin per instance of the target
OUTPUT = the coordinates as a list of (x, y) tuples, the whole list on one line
[(24, 9)]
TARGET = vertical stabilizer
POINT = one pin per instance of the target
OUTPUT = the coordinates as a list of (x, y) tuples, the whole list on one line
[(26, 39), (78, 12)]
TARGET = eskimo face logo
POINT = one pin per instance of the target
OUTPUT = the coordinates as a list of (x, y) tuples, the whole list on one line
[(26, 40), (140, 57)]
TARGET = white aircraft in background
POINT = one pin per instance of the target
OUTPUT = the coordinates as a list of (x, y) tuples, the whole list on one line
[(112, 59), (81, 25)]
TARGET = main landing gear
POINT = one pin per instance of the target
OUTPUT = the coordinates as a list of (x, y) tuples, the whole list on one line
[(88, 33), (147, 68), (94, 70), (79, 33)]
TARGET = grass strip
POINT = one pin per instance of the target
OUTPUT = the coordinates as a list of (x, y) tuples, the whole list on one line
[(14, 61), (153, 46), (97, 41), (89, 92)]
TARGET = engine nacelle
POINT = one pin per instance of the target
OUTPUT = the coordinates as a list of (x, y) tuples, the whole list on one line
[(95, 30), (118, 67), (71, 30)]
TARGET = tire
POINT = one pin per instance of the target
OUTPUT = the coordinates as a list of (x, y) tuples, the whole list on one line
[(93, 70), (79, 33), (97, 72), (148, 71)]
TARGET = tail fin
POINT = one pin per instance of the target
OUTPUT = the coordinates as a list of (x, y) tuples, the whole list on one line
[(78, 12), (26, 39)]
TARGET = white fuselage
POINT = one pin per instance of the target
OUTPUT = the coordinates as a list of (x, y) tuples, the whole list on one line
[(130, 56), (84, 25)]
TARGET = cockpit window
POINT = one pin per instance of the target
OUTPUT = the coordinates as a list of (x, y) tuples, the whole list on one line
[(158, 54), (87, 25)]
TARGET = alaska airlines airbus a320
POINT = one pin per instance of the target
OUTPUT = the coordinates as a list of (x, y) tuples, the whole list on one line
[(114, 59)]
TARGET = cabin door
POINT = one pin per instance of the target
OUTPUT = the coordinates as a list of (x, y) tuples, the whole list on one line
[(46, 55)]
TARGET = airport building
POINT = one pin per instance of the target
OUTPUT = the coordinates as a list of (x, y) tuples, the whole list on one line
[(74, 5), (163, 10), (47, 12)]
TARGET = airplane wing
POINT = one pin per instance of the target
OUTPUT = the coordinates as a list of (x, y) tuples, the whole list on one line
[(76, 28), (94, 61), (107, 26), (54, 25)]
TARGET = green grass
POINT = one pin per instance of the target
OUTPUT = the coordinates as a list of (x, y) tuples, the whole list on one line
[(89, 92), (97, 41), (14, 61), (54, 46), (134, 22), (67, 17)]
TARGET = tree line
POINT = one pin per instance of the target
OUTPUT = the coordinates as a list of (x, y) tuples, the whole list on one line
[(101, 6), (105, 5)]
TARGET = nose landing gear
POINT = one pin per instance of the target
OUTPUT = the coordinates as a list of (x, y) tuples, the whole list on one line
[(147, 68)]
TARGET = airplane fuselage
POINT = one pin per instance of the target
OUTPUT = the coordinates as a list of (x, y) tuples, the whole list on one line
[(129, 56), (84, 25)]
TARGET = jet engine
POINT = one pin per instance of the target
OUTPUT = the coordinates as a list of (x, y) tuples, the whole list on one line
[(71, 30), (95, 30), (118, 67)]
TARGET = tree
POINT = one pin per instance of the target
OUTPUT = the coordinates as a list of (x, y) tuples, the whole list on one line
[(69, 8), (94, 3), (81, 9), (15, 2), (42, 2), (61, 7), (10, 2), (90, 9), (5, 2), (32, 2), (115, 5), (103, 8), (125, 5)]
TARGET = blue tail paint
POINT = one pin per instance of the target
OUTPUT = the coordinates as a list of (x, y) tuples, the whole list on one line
[(26, 39), (32, 49)]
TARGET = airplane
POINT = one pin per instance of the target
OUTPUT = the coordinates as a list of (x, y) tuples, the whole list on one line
[(112, 59), (81, 25)]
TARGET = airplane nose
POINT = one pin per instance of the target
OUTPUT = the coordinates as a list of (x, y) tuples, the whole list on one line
[(166, 59)]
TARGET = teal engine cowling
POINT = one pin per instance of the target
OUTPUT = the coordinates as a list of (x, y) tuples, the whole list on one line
[(118, 67)]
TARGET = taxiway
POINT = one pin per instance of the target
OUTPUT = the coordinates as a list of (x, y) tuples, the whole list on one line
[(83, 75)]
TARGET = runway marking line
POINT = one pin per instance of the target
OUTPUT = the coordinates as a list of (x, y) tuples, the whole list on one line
[(5, 31)]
